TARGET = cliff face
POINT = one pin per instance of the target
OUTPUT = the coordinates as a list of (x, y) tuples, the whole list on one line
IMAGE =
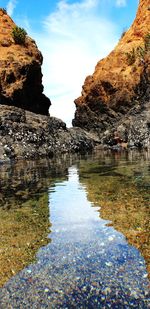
[(20, 71), (119, 88)]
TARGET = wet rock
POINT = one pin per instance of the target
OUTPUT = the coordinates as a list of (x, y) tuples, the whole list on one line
[(24, 134), (133, 130)]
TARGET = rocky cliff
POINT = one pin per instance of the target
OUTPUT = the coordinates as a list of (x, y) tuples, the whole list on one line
[(20, 71), (115, 100)]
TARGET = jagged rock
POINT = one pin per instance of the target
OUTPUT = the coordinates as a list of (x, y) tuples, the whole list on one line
[(20, 71), (24, 135), (119, 89)]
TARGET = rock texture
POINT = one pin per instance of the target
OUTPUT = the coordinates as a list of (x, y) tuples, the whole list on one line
[(24, 135), (115, 100), (20, 71)]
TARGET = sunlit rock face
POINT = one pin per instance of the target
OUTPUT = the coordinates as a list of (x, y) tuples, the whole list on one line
[(119, 88), (20, 71)]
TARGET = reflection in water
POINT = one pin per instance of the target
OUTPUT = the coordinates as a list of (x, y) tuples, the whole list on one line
[(24, 213), (87, 264), (23, 230), (121, 189)]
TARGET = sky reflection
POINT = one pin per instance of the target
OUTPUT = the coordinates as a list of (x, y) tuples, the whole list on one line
[(87, 264)]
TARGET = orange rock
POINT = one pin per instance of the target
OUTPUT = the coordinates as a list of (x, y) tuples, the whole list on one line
[(116, 86), (20, 71)]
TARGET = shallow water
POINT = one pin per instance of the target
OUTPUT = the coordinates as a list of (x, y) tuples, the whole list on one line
[(87, 262)]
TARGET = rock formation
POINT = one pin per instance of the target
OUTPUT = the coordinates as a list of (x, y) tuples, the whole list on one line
[(24, 134), (20, 71), (116, 98)]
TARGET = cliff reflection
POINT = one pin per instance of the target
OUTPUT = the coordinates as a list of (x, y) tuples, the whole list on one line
[(120, 186), (24, 212)]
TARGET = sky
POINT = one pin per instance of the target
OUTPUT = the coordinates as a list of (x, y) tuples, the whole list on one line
[(73, 35)]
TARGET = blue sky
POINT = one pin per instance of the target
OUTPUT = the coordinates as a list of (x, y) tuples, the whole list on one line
[(72, 36)]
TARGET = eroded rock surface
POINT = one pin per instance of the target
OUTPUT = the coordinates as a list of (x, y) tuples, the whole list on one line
[(24, 134), (20, 71), (118, 93)]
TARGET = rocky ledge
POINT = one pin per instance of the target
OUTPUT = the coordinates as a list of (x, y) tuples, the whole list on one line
[(24, 135)]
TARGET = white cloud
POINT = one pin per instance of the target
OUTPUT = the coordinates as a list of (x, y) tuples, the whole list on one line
[(74, 39), (11, 6), (121, 3)]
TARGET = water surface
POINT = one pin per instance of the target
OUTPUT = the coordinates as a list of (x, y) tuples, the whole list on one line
[(84, 262)]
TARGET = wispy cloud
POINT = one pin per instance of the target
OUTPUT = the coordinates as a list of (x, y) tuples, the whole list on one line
[(11, 6), (75, 37), (120, 3)]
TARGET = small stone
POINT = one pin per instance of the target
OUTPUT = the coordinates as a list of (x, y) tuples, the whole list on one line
[(46, 290), (110, 238), (29, 271), (109, 264), (107, 291)]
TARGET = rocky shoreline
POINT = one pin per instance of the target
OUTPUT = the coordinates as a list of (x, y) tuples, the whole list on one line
[(25, 135), (132, 131)]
